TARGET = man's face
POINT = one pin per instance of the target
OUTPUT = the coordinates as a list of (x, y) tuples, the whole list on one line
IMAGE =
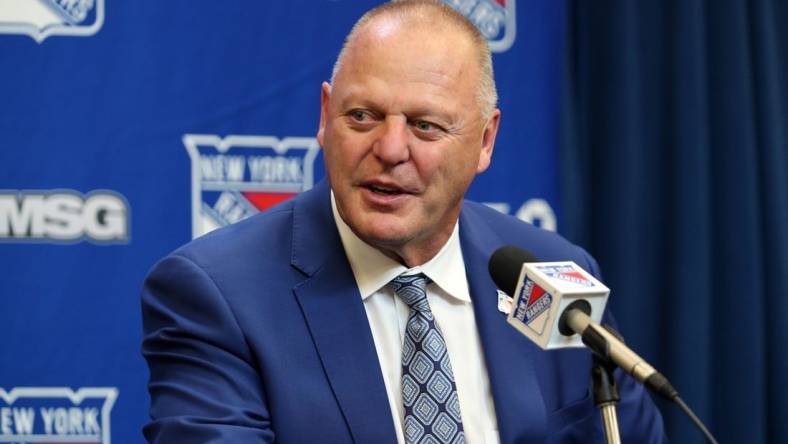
[(403, 136)]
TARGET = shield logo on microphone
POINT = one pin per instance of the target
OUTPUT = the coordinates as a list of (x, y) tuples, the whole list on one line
[(533, 306), (565, 273)]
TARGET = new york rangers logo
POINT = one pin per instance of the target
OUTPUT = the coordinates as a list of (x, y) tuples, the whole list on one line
[(56, 415), (495, 19), (565, 273), (533, 306), (42, 18), (238, 176)]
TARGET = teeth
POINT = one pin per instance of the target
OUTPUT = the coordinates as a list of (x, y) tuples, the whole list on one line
[(383, 190)]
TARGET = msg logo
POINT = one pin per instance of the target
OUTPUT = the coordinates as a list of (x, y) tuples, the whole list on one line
[(100, 216)]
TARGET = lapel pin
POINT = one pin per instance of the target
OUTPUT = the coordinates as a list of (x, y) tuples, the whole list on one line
[(504, 302)]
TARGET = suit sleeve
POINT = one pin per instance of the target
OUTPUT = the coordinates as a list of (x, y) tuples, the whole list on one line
[(639, 420), (204, 385)]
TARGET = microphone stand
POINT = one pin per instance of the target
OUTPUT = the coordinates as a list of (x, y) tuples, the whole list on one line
[(606, 396)]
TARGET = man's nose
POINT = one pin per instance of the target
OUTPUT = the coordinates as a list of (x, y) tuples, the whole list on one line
[(391, 147)]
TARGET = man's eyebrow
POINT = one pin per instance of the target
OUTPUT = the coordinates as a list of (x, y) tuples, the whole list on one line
[(351, 101), (427, 111)]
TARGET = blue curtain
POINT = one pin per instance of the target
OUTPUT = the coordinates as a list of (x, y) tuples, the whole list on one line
[(675, 176)]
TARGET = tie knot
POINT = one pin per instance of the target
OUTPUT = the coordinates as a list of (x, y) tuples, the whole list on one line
[(412, 290)]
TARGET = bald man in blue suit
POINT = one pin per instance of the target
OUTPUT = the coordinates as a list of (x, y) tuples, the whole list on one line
[(257, 332)]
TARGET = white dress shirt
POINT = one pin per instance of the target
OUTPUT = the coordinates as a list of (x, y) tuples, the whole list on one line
[(450, 302)]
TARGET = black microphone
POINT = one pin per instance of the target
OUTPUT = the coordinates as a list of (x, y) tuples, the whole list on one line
[(505, 265)]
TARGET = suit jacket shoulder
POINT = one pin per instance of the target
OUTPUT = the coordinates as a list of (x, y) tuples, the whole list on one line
[(256, 332)]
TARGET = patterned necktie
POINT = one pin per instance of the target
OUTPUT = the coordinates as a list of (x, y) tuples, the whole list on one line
[(432, 409)]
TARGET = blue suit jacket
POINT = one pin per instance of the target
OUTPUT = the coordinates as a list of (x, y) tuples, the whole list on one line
[(257, 332)]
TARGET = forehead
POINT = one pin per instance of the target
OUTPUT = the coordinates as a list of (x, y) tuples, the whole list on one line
[(390, 53)]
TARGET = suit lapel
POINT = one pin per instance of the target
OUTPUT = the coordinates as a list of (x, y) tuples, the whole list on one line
[(334, 312), (519, 406)]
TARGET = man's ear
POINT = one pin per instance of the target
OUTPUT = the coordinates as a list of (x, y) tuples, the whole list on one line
[(325, 95), (488, 141)]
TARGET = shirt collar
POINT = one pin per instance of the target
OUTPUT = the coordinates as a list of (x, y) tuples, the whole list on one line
[(373, 269)]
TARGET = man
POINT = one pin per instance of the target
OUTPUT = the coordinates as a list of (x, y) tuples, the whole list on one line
[(361, 311)]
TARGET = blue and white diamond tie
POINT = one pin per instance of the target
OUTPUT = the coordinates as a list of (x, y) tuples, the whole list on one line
[(432, 409)]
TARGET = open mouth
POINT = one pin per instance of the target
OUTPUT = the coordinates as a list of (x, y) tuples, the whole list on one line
[(389, 191)]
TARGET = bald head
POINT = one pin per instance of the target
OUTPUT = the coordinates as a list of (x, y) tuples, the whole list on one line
[(439, 18)]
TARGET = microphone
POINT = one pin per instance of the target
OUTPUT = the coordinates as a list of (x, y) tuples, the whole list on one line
[(559, 305)]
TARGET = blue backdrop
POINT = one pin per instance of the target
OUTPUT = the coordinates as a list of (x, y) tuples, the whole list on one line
[(675, 175), (126, 128)]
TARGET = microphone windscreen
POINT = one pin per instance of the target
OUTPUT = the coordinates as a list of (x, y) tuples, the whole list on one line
[(505, 265)]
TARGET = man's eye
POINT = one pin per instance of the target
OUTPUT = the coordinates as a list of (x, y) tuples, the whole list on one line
[(358, 115), (425, 126)]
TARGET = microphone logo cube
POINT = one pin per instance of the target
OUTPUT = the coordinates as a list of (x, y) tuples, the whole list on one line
[(543, 291)]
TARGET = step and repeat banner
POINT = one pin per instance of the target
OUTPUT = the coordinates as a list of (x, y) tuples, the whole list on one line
[(129, 127)]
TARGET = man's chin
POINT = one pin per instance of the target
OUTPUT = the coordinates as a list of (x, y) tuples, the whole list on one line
[(382, 238)]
